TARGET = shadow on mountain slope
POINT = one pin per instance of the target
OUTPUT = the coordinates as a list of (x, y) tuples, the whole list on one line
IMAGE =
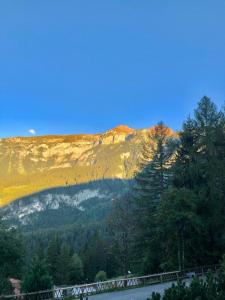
[(55, 208)]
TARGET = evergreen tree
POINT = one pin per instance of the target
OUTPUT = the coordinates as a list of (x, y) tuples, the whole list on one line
[(77, 269), (211, 161), (37, 277), (199, 169), (11, 256), (94, 256), (64, 265), (53, 258), (178, 226), (151, 181), (121, 228), (5, 285), (154, 165)]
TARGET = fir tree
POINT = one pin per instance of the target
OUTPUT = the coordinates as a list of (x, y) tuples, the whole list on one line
[(199, 168), (53, 258), (64, 265), (121, 228), (76, 269), (151, 181), (11, 256), (152, 178), (37, 277)]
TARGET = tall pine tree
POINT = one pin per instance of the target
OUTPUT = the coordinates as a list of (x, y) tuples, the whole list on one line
[(11, 256), (150, 182), (199, 170)]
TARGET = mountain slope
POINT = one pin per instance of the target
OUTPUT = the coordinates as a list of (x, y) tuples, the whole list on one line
[(68, 174), (57, 207), (28, 165)]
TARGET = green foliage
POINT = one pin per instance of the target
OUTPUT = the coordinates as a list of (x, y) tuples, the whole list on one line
[(64, 265), (185, 226), (154, 166), (210, 288), (11, 257), (199, 167), (11, 252), (176, 292), (150, 183), (155, 296), (37, 277), (5, 286), (53, 257), (101, 276), (122, 228), (95, 256), (178, 228), (77, 269)]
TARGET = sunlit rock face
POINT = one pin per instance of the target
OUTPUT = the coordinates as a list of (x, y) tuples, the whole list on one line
[(30, 165)]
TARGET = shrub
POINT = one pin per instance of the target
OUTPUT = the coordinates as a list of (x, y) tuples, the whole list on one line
[(100, 276), (211, 288)]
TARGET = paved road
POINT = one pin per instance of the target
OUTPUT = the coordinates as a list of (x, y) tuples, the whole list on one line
[(133, 294)]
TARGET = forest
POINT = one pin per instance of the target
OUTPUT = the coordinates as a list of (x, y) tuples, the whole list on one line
[(172, 217)]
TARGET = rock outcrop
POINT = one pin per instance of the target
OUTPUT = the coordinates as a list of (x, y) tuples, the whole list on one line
[(32, 164)]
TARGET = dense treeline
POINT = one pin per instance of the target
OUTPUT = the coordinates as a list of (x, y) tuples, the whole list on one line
[(172, 218), (187, 221), (175, 216)]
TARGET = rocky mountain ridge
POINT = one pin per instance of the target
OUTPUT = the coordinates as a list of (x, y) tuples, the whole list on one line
[(31, 164), (71, 174)]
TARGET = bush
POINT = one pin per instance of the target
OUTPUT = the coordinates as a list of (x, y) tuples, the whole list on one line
[(100, 276), (155, 296), (212, 288)]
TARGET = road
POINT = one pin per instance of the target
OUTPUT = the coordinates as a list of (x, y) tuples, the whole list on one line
[(134, 294)]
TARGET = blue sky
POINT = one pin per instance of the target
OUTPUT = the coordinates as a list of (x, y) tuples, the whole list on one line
[(85, 66)]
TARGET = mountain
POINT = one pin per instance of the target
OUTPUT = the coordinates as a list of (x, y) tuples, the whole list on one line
[(45, 177)]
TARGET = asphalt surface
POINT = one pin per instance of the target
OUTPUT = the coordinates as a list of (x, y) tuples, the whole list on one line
[(134, 294)]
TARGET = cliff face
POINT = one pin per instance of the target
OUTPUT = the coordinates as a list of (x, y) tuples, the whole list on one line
[(29, 165), (58, 180), (32, 164)]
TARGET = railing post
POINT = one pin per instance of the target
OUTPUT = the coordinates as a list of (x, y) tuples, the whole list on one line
[(53, 292)]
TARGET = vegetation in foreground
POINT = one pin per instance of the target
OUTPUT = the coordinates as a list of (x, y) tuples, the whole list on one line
[(210, 288), (173, 218)]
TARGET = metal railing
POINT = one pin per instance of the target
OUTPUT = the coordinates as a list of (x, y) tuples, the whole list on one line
[(42, 295), (77, 291)]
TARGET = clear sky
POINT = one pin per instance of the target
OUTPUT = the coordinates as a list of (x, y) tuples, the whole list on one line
[(76, 66)]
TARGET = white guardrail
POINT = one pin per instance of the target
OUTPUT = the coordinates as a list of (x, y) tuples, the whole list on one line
[(77, 291)]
